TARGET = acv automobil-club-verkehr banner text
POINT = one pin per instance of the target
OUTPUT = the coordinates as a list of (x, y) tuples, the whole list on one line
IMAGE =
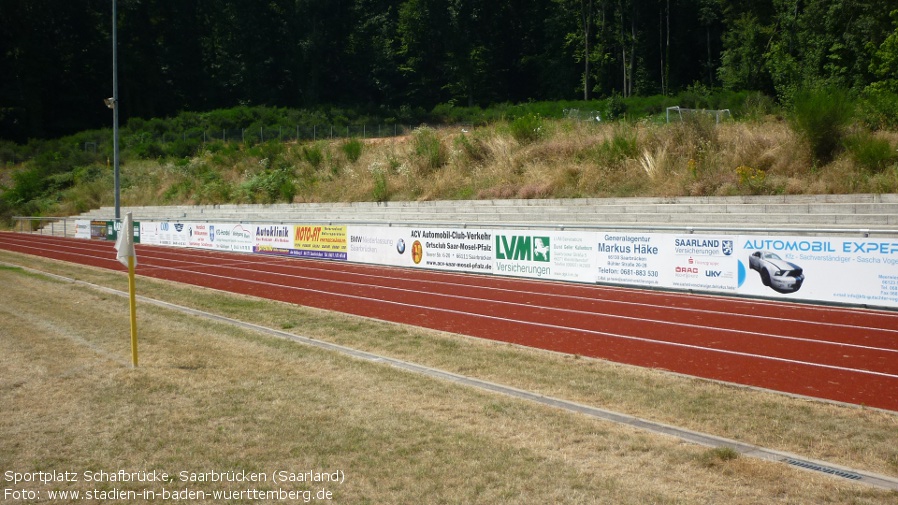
[(861, 271)]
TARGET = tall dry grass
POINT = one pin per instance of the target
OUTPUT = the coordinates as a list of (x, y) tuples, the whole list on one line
[(566, 160)]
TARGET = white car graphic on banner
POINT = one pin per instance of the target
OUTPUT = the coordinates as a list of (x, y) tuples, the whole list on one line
[(776, 273)]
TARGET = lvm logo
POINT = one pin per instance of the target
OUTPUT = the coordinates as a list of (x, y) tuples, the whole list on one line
[(523, 248)]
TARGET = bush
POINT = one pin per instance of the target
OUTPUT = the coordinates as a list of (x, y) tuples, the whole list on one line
[(527, 128), (429, 149), (352, 148), (183, 148), (313, 155), (757, 105), (615, 108), (879, 109), (622, 145), (874, 154), (821, 116), (473, 148), (380, 193)]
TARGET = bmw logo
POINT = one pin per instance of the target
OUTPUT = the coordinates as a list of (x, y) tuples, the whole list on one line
[(400, 246)]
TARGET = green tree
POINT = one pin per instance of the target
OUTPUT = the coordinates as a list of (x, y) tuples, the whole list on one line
[(746, 39), (884, 61)]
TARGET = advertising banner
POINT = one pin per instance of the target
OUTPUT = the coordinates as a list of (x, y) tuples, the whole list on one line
[(301, 240), (273, 239), (703, 262), (83, 229), (113, 228), (461, 250), (380, 245), (633, 258), (557, 255), (842, 270), (231, 237), (319, 241), (822, 269), (98, 230), (174, 234), (164, 233), (198, 235), (149, 233)]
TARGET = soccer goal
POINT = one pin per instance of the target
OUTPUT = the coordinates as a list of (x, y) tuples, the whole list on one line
[(677, 113), (583, 115)]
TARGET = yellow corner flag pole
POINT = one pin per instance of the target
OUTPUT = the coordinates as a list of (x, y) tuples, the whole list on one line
[(125, 247), (133, 306)]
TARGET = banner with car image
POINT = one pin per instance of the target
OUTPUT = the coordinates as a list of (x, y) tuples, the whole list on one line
[(819, 269), (856, 271), (828, 269)]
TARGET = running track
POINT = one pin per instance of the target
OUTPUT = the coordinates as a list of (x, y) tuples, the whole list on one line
[(842, 354)]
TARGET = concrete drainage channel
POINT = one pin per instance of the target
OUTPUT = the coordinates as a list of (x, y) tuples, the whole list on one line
[(859, 476)]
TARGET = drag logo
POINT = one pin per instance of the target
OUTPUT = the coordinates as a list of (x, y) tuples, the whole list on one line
[(417, 252), (522, 248)]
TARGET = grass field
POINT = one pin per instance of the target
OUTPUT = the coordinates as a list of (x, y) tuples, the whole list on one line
[(209, 397)]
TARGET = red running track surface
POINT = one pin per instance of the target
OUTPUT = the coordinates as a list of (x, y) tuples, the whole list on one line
[(835, 353)]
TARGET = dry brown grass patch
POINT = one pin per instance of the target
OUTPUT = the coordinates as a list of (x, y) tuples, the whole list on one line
[(212, 397)]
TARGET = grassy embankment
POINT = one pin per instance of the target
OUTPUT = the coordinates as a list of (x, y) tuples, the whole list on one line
[(548, 159)]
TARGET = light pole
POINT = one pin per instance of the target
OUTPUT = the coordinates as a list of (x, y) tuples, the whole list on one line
[(112, 103)]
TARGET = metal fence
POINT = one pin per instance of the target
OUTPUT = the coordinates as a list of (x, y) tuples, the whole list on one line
[(286, 134), (248, 135)]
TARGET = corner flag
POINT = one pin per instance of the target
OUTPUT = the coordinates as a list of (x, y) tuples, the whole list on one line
[(124, 244)]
